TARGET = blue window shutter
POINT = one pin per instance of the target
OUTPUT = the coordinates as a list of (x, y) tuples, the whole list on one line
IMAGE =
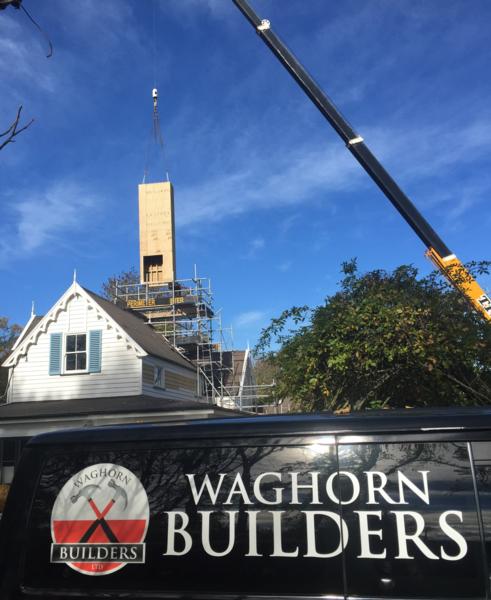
[(95, 350), (55, 353)]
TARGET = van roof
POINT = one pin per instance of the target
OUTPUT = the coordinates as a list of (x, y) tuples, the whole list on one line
[(372, 422)]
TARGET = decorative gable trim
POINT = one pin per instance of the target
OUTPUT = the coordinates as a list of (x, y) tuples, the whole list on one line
[(75, 290), (22, 333)]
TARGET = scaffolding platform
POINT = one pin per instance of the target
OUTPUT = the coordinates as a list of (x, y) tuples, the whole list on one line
[(182, 311)]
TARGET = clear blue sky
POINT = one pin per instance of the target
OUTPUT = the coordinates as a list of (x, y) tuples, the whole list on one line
[(268, 200)]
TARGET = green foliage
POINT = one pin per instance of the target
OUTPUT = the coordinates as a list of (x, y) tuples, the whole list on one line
[(265, 374), (108, 288), (8, 335), (383, 340)]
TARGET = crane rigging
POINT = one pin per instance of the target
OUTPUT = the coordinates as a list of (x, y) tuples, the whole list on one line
[(155, 143), (437, 251), (155, 137)]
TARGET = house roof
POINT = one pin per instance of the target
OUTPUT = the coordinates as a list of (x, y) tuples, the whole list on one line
[(135, 326), (96, 406), (146, 337), (29, 326), (132, 324), (233, 361)]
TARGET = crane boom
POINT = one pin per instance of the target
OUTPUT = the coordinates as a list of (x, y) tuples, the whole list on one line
[(437, 251)]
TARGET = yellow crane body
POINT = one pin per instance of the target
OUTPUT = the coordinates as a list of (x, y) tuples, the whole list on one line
[(461, 279)]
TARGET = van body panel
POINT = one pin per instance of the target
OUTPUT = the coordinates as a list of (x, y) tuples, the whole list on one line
[(432, 421), (290, 507)]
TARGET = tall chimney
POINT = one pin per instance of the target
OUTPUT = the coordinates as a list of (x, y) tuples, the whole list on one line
[(157, 233)]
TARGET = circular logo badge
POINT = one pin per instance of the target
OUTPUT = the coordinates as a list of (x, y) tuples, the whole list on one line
[(99, 520)]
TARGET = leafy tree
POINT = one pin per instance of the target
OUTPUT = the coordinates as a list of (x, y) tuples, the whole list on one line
[(264, 371), (383, 340), (108, 288), (8, 335), (265, 374)]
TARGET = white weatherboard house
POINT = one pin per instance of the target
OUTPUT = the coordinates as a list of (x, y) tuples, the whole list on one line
[(89, 362)]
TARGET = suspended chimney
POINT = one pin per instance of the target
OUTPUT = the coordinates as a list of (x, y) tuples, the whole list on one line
[(157, 233)]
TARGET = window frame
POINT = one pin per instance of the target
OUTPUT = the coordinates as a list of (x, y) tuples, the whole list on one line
[(158, 382), (66, 371)]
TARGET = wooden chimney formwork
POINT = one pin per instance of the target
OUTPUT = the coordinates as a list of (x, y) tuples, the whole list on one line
[(157, 239)]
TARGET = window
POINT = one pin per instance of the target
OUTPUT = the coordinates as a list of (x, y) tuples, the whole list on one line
[(411, 515), (270, 527), (158, 377), (76, 352)]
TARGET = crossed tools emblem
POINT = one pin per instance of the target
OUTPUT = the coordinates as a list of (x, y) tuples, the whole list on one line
[(87, 492)]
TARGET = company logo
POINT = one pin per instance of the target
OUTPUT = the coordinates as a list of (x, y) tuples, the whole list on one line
[(99, 520)]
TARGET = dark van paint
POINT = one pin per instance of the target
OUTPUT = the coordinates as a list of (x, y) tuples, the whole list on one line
[(394, 505)]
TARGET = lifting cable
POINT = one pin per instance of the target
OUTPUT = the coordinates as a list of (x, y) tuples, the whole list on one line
[(155, 139)]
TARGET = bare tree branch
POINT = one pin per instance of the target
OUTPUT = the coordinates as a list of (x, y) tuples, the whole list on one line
[(466, 387), (13, 130), (13, 3)]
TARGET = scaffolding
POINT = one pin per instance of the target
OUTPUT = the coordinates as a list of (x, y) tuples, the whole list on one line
[(251, 398), (183, 312)]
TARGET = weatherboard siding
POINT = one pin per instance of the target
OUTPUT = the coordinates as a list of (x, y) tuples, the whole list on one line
[(171, 372), (147, 373), (121, 368), (176, 381)]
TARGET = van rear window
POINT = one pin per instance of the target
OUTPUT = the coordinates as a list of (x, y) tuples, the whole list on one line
[(220, 520), (311, 519), (413, 526)]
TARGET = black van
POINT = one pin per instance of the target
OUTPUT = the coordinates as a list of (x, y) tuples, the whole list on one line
[(371, 506)]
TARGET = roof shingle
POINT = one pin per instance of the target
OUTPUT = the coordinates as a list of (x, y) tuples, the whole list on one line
[(95, 406), (142, 333)]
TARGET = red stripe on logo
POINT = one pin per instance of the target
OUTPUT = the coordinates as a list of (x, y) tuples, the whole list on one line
[(127, 531)]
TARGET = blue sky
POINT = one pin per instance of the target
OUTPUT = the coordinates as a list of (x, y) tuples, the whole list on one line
[(268, 201)]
